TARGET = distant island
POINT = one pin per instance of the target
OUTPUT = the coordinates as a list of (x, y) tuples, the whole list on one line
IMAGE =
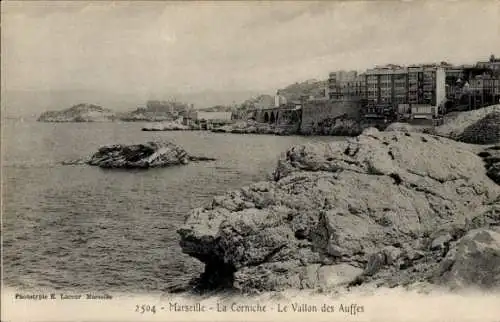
[(79, 113), (155, 111)]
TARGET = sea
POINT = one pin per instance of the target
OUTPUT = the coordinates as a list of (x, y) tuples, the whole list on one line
[(84, 229)]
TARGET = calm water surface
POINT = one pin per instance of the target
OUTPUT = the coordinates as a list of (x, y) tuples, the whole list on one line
[(82, 228)]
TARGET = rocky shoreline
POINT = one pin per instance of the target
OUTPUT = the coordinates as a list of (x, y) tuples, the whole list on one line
[(154, 154), (384, 208), (252, 127), (167, 126)]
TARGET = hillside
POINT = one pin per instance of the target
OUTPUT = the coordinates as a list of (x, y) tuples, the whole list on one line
[(307, 88), (258, 102), (456, 124)]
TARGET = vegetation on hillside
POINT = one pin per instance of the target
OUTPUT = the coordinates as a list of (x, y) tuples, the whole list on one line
[(307, 88)]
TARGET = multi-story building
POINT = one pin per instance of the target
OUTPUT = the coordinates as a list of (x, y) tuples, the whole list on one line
[(389, 87), (483, 90), (385, 86), (345, 85), (491, 87)]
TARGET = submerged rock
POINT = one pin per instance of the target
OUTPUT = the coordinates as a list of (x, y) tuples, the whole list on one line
[(372, 204), (149, 155)]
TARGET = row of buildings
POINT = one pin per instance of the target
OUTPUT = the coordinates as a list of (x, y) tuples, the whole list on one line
[(381, 94), (418, 90)]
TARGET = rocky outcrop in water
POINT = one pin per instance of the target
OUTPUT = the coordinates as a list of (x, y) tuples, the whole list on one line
[(166, 126), (384, 208), (149, 155), (79, 113), (252, 127)]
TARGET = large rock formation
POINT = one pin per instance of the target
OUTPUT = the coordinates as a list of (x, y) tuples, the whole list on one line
[(79, 113), (384, 207), (149, 155)]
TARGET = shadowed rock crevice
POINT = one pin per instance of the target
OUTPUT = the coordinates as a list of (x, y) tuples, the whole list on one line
[(217, 276), (491, 158)]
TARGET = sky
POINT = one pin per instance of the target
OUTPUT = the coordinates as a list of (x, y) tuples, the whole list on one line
[(156, 48)]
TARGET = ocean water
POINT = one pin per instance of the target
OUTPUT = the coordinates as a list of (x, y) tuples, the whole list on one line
[(82, 228)]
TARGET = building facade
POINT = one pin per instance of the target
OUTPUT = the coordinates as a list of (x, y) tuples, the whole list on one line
[(345, 85), (388, 88), (492, 64)]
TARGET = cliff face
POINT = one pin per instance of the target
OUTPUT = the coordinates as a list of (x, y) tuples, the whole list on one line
[(79, 113), (384, 207)]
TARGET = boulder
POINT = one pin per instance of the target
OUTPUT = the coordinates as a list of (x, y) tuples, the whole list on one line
[(474, 260), (371, 202), (152, 154)]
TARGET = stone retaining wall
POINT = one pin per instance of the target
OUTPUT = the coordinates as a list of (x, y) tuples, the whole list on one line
[(316, 112)]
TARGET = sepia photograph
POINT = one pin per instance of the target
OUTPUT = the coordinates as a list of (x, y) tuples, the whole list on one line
[(250, 161)]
